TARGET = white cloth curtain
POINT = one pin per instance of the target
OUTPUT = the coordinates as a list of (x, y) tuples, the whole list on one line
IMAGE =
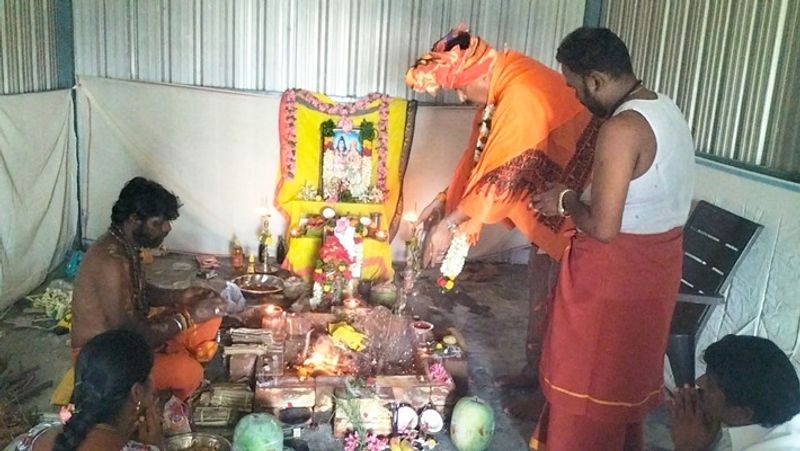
[(38, 200)]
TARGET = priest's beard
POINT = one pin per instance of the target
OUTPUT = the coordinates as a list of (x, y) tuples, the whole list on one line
[(146, 239)]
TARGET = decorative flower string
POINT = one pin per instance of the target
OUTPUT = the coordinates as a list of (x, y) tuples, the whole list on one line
[(453, 262), (383, 144), (291, 136), (483, 131), (344, 111)]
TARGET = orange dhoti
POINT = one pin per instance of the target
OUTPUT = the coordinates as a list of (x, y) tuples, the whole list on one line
[(602, 363), (176, 365)]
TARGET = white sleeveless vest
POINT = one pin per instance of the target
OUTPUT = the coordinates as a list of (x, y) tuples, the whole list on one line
[(659, 200)]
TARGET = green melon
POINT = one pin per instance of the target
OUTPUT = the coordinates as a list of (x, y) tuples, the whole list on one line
[(472, 424), (258, 432)]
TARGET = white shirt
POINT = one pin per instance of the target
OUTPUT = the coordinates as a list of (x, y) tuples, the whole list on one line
[(783, 437)]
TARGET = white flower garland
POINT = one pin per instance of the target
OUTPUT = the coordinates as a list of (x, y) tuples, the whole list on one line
[(453, 261), (316, 298)]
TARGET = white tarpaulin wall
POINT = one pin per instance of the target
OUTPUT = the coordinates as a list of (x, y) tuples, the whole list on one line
[(38, 200), (218, 151), (764, 296)]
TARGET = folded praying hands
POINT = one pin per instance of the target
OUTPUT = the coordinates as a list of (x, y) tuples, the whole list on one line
[(692, 428)]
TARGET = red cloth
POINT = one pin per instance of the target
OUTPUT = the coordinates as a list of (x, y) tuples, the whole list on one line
[(559, 430), (604, 348)]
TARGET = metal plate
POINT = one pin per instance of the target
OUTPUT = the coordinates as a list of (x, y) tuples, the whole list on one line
[(259, 284), (197, 441)]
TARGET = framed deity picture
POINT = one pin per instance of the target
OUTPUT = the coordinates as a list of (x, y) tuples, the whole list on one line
[(346, 174), (347, 141)]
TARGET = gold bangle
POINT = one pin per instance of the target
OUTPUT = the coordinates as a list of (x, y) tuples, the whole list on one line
[(442, 197)]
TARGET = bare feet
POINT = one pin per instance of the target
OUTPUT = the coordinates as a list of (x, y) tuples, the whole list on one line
[(527, 378), (527, 408)]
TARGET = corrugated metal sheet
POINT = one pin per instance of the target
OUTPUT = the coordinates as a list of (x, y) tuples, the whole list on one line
[(342, 47), (729, 65), (27, 46)]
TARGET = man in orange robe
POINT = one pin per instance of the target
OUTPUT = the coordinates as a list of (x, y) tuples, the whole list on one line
[(602, 363), (111, 292), (528, 130)]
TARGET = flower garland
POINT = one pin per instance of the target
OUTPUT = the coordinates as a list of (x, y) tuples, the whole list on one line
[(338, 264), (344, 111), (383, 141), (453, 262), (483, 131), (459, 247), (333, 268), (290, 107)]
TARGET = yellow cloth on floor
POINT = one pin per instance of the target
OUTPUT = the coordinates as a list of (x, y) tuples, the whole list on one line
[(63, 392), (347, 335)]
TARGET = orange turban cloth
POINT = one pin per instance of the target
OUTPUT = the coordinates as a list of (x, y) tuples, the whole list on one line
[(455, 61)]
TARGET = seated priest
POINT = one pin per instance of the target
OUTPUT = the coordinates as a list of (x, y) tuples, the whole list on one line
[(111, 293), (749, 399)]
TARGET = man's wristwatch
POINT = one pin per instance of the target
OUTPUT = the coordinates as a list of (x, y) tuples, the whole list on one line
[(561, 210)]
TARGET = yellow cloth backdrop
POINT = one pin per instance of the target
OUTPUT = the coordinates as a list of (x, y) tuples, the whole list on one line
[(307, 160)]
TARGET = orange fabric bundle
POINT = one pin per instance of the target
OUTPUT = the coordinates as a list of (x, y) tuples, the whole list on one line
[(539, 133), (454, 68)]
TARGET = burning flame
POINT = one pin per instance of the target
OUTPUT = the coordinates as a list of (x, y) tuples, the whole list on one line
[(325, 359), (410, 216)]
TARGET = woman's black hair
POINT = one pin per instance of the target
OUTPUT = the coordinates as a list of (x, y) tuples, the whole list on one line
[(107, 367)]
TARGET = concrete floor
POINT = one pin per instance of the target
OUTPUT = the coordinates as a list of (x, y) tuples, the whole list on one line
[(489, 307)]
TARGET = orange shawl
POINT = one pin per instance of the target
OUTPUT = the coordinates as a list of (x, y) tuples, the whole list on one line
[(538, 134)]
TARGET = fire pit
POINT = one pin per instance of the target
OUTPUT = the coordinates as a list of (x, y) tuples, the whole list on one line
[(324, 355)]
